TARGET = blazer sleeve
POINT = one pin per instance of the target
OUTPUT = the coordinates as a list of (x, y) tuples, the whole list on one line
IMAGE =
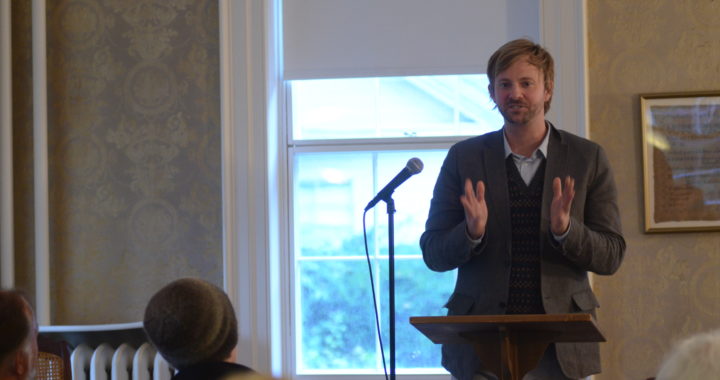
[(595, 242), (445, 244)]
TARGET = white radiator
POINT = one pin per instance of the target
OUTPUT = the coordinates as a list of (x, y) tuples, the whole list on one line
[(110, 352), (122, 363)]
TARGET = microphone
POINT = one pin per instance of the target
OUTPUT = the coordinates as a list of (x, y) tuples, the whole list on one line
[(414, 166)]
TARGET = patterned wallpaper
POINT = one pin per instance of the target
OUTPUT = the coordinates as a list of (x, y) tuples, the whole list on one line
[(134, 153), (669, 284)]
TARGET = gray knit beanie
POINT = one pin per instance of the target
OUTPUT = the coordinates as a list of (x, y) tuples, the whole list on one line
[(191, 321)]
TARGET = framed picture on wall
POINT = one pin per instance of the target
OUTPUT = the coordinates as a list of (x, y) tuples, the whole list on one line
[(681, 161)]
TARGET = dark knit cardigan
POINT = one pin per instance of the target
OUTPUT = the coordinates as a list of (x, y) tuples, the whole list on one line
[(525, 296)]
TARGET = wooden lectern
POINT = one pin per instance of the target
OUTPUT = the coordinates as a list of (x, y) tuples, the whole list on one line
[(510, 345)]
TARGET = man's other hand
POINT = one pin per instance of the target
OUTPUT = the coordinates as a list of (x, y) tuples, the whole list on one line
[(476, 212), (563, 195)]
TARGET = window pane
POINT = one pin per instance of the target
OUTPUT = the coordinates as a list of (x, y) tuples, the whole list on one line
[(337, 325), (447, 105), (412, 199), (331, 190), (337, 328), (335, 322), (418, 292)]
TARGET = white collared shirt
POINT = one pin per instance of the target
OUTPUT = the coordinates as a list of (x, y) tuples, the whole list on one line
[(528, 166)]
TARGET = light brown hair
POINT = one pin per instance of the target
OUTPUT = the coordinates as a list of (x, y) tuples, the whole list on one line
[(522, 48)]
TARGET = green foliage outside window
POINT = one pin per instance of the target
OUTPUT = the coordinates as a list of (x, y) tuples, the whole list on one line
[(338, 322)]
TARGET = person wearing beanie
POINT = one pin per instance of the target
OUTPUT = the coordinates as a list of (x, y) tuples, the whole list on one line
[(192, 324), (18, 337)]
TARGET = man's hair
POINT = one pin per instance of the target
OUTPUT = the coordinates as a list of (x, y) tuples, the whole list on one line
[(522, 48), (191, 321), (15, 325), (697, 357)]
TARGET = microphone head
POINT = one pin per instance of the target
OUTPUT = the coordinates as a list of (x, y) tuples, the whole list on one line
[(414, 165)]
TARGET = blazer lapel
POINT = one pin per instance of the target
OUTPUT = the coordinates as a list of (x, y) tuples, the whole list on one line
[(555, 166), (496, 190)]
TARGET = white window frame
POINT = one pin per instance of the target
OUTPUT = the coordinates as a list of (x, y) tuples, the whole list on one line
[(255, 168), (359, 145)]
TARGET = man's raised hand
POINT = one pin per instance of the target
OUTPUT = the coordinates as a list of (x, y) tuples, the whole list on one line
[(563, 195), (476, 213)]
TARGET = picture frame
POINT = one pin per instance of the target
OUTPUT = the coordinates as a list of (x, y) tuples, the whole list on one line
[(681, 161)]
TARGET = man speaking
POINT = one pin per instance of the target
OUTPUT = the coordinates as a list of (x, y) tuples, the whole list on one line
[(524, 213)]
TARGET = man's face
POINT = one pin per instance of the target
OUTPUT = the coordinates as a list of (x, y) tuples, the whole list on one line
[(520, 93)]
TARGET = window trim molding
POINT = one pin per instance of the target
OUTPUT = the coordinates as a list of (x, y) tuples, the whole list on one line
[(563, 32), (41, 201), (254, 164), (7, 248), (244, 160)]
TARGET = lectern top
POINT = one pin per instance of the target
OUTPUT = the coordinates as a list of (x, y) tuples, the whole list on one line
[(552, 327)]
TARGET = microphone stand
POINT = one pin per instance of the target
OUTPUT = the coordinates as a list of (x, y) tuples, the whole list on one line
[(391, 271)]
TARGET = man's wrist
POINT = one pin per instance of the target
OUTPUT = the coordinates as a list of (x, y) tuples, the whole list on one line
[(474, 242), (561, 238)]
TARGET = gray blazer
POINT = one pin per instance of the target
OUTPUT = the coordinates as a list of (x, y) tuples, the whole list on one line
[(594, 242)]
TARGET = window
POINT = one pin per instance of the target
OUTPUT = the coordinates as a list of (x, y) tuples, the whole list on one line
[(347, 138), (255, 213)]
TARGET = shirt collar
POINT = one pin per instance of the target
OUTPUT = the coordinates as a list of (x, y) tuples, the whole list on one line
[(542, 149)]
